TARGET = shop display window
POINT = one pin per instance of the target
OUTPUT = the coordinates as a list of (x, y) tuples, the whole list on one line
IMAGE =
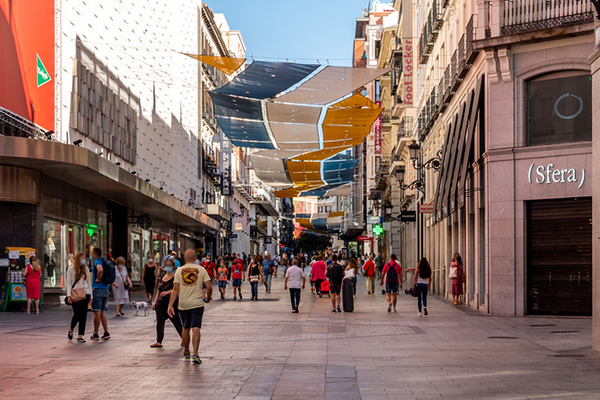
[(74, 242), (53, 266), (145, 247), (135, 256), (559, 108)]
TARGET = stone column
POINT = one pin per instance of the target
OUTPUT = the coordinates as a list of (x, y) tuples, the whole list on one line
[(595, 62)]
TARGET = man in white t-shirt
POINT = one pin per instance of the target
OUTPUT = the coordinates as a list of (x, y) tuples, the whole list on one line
[(295, 276)]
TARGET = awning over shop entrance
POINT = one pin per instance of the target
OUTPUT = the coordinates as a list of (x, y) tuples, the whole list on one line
[(85, 169)]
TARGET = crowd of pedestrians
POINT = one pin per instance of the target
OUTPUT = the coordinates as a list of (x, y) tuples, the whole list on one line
[(185, 285)]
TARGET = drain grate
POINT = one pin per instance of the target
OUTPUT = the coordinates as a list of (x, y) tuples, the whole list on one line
[(541, 325), (568, 355), (502, 337), (564, 331)]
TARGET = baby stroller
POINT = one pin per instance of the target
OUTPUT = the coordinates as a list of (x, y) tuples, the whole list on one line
[(325, 287)]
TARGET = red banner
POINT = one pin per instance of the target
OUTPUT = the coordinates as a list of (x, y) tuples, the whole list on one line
[(27, 61), (377, 131)]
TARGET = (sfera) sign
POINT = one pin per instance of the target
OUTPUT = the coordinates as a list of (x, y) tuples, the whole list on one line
[(549, 174)]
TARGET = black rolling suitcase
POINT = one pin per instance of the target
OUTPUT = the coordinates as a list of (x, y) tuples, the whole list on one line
[(348, 295)]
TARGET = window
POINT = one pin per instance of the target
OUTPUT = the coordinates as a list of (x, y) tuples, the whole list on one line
[(559, 108), (53, 257)]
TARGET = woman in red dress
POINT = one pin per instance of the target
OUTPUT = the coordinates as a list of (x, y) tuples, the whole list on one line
[(33, 285), (457, 288)]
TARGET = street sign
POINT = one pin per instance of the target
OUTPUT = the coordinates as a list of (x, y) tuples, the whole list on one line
[(233, 236), (364, 238), (425, 208), (377, 230), (42, 73), (408, 216), (372, 220)]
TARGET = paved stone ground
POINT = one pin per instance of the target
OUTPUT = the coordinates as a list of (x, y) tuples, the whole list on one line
[(259, 351)]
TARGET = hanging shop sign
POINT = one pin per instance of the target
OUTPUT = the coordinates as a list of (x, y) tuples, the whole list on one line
[(365, 239), (549, 174), (239, 226), (408, 216), (226, 189), (372, 220), (425, 208), (268, 240)]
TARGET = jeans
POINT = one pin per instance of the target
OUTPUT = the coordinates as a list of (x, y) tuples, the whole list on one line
[(162, 316), (268, 282), (80, 309), (354, 280), (295, 298), (99, 299), (371, 284), (423, 289), (254, 287)]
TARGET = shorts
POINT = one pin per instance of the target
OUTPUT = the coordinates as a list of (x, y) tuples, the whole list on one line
[(191, 318), (236, 282), (222, 284), (335, 288), (100, 297), (392, 287)]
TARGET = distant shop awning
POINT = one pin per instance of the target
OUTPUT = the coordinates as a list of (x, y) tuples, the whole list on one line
[(267, 207), (85, 169)]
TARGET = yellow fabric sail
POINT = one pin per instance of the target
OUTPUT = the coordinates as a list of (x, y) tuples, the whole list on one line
[(351, 117), (320, 155), (355, 101), (226, 64)]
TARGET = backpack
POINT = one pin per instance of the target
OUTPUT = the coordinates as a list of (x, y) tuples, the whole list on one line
[(392, 274), (109, 272), (336, 273)]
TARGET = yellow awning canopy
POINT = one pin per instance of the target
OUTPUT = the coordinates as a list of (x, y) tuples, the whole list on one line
[(226, 64)]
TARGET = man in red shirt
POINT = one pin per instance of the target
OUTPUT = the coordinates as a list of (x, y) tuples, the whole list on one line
[(238, 275), (370, 273), (392, 272), (209, 266)]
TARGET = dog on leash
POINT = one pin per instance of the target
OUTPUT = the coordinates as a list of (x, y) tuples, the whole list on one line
[(140, 305)]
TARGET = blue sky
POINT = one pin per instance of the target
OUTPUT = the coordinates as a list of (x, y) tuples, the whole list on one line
[(301, 30)]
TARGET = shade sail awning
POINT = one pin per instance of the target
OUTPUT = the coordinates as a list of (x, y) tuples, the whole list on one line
[(238, 107), (226, 64), (262, 80), (293, 113), (331, 84)]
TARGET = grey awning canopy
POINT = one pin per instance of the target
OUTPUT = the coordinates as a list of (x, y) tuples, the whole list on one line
[(87, 170)]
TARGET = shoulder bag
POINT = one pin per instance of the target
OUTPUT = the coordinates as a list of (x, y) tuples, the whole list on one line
[(453, 273)]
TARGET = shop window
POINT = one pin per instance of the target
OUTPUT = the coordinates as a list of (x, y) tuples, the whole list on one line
[(74, 242), (559, 108), (53, 266), (135, 256)]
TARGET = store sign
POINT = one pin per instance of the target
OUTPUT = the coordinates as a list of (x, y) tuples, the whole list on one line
[(364, 238), (268, 240), (549, 174), (18, 292), (239, 226), (226, 189), (425, 208), (408, 216), (372, 220), (407, 93), (377, 131)]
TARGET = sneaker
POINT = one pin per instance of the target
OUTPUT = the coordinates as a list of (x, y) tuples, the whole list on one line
[(196, 359), (70, 335), (95, 337), (426, 313), (420, 314), (186, 357), (339, 309), (333, 311), (390, 307), (395, 310), (80, 340), (106, 336), (241, 296), (234, 298)]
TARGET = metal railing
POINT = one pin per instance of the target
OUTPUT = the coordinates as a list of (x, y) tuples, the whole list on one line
[(530, 15), (431, 29)]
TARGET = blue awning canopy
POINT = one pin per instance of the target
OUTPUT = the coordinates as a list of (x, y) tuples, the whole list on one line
[(229, 106), (262, 80), (242, 131)]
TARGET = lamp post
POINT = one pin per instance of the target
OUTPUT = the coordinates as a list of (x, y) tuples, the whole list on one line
[(435, 163)]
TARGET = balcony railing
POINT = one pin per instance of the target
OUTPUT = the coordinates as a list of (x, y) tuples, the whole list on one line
[(405, 128), (431, 29), (530, 15)]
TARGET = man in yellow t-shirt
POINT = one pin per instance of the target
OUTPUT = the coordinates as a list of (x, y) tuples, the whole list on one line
[(189, 282)]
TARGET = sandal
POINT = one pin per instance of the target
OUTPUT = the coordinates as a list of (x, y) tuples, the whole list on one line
[(156, 345)]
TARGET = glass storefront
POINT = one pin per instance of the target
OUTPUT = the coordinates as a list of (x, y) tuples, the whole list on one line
[(53, 265), (135, 256), (145, 247), (74, 242)]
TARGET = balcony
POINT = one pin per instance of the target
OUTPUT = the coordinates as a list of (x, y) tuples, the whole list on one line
[(463, 56), (530, 15), (431, 29), (396, 73), (216, 212)]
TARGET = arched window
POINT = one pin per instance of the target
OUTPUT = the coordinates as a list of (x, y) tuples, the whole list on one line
[(559, 108)]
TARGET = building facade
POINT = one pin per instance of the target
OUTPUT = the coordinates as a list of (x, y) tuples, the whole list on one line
[(491, 125), (119, 148)]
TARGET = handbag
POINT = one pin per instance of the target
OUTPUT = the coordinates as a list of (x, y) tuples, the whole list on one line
[(453, 273), (76, 295), (415, 291), (126, 284), (254, 278), (349, 274)]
